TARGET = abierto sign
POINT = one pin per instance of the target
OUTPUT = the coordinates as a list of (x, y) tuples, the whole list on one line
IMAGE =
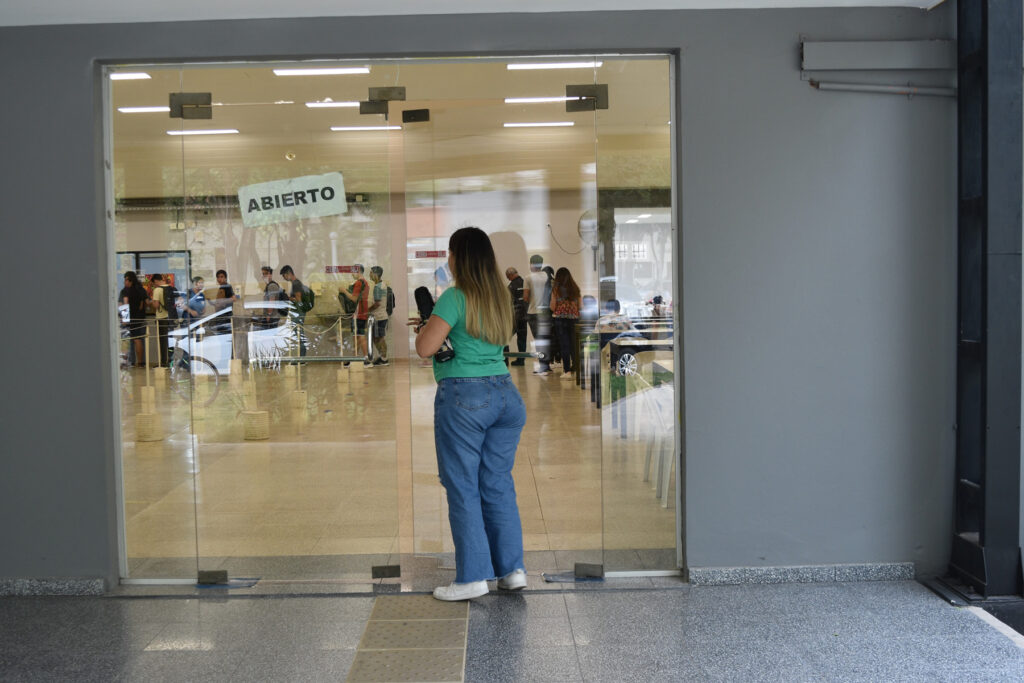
[(280, 201)]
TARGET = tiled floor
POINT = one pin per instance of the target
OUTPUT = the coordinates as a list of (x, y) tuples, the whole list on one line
[(352, 474), (871, 631)]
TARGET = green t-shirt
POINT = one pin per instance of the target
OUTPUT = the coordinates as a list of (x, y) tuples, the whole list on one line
[(473, 357)]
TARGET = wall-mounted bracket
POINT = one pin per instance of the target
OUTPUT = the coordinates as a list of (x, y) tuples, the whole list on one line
[(589, 97), (191, 105), (394, 93), (374, 107), (415, 115)]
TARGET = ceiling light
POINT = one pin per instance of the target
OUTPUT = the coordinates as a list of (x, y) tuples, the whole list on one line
[(129, 76), (534, 100), (644, 215), (554, 65), (329, 103), (541, 124), (141, 110), (342, 128), (205, 131), (632, 220), (336, 71)]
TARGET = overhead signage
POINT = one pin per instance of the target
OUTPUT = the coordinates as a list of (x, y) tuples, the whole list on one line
[(432, 254), (339, 269), (280, 201)]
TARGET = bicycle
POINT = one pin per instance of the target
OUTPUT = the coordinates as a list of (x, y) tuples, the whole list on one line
[(193, 378)]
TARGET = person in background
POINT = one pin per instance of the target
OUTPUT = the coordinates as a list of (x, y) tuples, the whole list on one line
[(515, 286), (225, 292), (565, 311), (196, 299), (271, 292), (359, 295), (538, 316), (298, 310), (133, 294), (657, 306), (163, 321), (614, 323), (478, 419), (379, 310)]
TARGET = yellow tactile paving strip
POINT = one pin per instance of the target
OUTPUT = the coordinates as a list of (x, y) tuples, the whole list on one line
[(412, 638)]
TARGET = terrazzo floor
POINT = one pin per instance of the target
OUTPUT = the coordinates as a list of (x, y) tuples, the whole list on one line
[(621, 630)]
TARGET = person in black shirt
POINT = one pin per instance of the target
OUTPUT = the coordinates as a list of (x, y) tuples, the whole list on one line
[(225, 292), (134, 296), (515, 285), (298, 312)]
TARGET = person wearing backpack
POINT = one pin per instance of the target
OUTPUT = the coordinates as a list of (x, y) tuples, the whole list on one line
[(272, 291), (166, 312), (359, 294), (135, 297), (302, 300), (381, 308)]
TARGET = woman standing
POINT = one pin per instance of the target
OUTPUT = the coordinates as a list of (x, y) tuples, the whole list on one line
[(134, 295), (565, 309), (478, 418)]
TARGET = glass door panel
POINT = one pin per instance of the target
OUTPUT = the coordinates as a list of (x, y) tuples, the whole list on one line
[(294, 434), (634, 339), (157, 453), (470, 160)]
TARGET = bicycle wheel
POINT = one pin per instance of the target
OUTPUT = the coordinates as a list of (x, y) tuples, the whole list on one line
[(193, 378)]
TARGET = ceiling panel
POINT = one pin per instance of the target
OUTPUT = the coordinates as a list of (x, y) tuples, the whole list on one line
[(280, 137)]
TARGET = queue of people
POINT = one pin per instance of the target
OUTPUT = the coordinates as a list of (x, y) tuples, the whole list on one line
[(161, 299)]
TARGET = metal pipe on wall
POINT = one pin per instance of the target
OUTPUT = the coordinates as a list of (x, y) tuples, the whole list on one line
[(909, 90)]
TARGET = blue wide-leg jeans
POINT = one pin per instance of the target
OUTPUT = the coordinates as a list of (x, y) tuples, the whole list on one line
[(477, 424)]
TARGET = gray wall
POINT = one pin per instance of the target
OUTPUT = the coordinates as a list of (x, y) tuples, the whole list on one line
[(818, 251)]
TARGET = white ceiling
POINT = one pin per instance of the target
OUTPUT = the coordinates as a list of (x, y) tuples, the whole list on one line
[(36, 12)]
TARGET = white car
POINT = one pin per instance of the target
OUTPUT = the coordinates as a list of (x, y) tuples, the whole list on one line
[(206, 343)]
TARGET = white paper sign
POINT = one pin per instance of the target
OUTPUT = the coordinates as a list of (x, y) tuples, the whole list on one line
[(280, 201)]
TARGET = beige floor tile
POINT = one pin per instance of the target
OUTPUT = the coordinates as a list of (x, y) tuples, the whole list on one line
[(355, 546)]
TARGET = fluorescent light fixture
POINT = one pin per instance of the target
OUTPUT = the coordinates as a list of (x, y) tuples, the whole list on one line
[(329, 103), (205, 131), (334, 71), (540, 124), (129, 76), (141, 110), (644, 215), (343, 128), (553, 65), (535, 100), (632, 220)]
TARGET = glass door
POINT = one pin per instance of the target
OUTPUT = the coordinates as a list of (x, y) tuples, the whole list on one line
[(499, 148), (296, 474), (276, 457), (566, 164), (261, 445)]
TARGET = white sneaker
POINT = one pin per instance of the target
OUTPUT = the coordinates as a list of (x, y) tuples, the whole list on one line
[(461, 591), (513, 581), (567, 375)]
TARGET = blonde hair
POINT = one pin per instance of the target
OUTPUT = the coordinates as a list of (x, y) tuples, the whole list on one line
[(488, 302)]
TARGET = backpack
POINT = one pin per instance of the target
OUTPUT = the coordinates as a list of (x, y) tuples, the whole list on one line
[(171, 302), (307, 300), (348, 307), (390, 305)]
